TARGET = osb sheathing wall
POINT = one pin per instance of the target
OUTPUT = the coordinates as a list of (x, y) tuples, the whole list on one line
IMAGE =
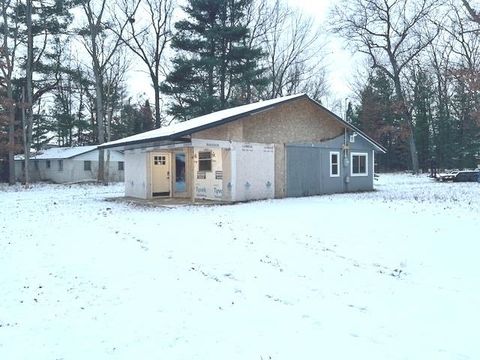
[(297, 121)]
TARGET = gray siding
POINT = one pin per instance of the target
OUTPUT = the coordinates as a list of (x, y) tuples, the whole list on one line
[(304, 178), (308, 168)]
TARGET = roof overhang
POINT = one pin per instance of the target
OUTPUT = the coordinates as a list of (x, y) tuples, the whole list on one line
[(140, 144), (184, 136), (352, 127)]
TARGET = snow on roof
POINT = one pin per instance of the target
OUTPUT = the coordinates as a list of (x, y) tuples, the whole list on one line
[(200, 121), (196, 124), (59, 153)]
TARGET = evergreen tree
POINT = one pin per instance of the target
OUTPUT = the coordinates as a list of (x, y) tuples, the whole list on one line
[(133, 119), (213, 66), (41, 131), (378, 116), (422, 114), (465, 105)]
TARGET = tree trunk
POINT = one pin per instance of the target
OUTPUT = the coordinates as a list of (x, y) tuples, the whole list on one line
[(24, 134), (11, 135), (101, 132), (407, 117), (109, 124), (10, 101), (156, 89), (29, 90)]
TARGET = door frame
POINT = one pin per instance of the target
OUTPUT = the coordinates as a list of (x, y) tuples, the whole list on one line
[(169, 174)]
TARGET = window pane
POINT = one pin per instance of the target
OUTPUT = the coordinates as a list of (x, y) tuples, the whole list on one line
[(359, 164), (205, 161), (334, 169), (180, 184), (120, 166), (205, 165), (355, 164), (334, 158), (204, 155), (362, 164)]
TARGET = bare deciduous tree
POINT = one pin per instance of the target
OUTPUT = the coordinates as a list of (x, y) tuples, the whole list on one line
[(147, 36), (474, 14), (101, 47), (391, 33), (294, 51), (8, 52)]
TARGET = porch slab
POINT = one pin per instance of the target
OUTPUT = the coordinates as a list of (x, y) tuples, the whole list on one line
[(167, 202)]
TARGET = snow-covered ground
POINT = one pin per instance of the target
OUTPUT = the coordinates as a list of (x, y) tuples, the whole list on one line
[(390, 274)]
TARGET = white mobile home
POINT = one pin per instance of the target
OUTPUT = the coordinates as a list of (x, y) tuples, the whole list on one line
[(69, 164)]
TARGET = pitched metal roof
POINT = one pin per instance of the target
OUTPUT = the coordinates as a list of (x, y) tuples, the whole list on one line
[(179, 130), (59, 153)]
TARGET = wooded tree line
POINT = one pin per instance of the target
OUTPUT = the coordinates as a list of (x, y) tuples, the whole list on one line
[(64, 67), (420, 95)]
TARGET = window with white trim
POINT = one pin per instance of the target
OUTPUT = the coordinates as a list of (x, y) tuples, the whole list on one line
[(359, 164), (334, 163)]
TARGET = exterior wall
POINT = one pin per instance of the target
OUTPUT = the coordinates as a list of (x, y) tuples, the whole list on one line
[(361, 183), (299, 121), (209, 184), (138, 175), (137, 181), (34, 174), (189, 170), (320, 167), (255, 171), (73, 169), (228, 173), (240, 171)]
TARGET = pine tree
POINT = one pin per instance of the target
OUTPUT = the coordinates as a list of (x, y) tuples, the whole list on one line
[(213, 66), (422, 113), (133, 119), (465, 105), (378, 116)]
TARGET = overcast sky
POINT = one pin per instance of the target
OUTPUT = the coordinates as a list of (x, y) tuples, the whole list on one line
[(338, 60)]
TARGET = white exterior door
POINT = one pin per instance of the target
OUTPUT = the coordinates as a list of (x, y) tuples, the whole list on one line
[(160, 165)]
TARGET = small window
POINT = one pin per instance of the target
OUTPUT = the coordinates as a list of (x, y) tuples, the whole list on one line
[(205, 161), (35, 163), (334, 163), (60, 165), (87, 165), (359, 164), (159, 160), (121, 166), (48, 164)]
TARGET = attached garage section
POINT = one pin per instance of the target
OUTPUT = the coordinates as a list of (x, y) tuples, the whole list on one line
[(304, 176), (309, 173)]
